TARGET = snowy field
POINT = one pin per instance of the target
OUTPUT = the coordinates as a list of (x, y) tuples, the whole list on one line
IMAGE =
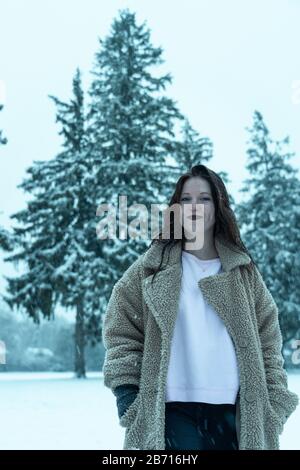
[(58, 411)]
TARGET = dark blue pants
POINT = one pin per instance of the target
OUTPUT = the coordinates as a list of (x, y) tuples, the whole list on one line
[(200, 426)]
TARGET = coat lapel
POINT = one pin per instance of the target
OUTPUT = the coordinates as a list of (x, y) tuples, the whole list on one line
[(162, 296)]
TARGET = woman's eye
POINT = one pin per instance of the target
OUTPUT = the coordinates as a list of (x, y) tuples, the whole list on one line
[(202, 198)]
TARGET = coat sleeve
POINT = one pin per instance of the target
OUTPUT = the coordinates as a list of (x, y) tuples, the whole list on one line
[(123, 331), (283, 401)]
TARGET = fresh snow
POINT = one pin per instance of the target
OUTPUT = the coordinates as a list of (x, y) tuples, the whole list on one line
[(55, 410)]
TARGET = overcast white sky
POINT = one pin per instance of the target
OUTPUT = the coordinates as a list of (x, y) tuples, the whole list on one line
[(227, 58)]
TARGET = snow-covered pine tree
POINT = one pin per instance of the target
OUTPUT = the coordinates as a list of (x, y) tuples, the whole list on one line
[(192, 149), (270, 221), (131, 128), (54, 231)]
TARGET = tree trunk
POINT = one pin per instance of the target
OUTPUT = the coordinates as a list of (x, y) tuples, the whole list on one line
[(79, 341)]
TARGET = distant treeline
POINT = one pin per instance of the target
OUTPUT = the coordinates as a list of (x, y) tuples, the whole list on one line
[(45, 347)]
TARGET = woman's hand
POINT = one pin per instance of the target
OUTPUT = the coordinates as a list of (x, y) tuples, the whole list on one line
[(125, 395)]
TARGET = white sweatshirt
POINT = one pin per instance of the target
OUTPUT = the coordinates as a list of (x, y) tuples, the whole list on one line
[(203, 365)]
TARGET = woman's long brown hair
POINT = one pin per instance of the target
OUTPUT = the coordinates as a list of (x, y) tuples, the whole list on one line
[(225, 220)]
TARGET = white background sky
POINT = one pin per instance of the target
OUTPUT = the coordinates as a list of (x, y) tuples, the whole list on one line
[(227, 58)]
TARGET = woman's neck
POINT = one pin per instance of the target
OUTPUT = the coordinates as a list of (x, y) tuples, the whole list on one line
[(208, 251)]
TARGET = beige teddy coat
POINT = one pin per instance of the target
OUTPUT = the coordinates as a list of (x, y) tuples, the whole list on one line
[(137, 333)]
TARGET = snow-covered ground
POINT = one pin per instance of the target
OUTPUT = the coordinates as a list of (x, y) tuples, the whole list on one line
[(58, 411)]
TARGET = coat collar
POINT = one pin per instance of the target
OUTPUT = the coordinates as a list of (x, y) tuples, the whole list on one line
[(228, 254), (222, 291)]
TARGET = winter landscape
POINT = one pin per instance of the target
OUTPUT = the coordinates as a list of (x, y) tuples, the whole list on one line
[(119, 98)]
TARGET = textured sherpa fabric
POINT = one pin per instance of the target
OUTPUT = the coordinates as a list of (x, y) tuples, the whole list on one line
[(137, 333)]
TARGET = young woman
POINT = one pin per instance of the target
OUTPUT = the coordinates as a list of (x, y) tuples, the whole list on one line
[(192, 337)]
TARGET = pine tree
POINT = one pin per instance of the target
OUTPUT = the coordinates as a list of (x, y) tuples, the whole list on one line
[(131, 127), (55, 228), (192, 149), (270, 220)]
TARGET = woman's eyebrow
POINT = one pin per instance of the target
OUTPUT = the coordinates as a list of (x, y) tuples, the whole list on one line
[(200, 193)]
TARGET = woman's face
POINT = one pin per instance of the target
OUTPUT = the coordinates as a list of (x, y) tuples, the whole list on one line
[(196, 190)]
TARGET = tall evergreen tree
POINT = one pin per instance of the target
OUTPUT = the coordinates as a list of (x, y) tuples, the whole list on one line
[(131, 127), (270, 220), (55, 228)]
